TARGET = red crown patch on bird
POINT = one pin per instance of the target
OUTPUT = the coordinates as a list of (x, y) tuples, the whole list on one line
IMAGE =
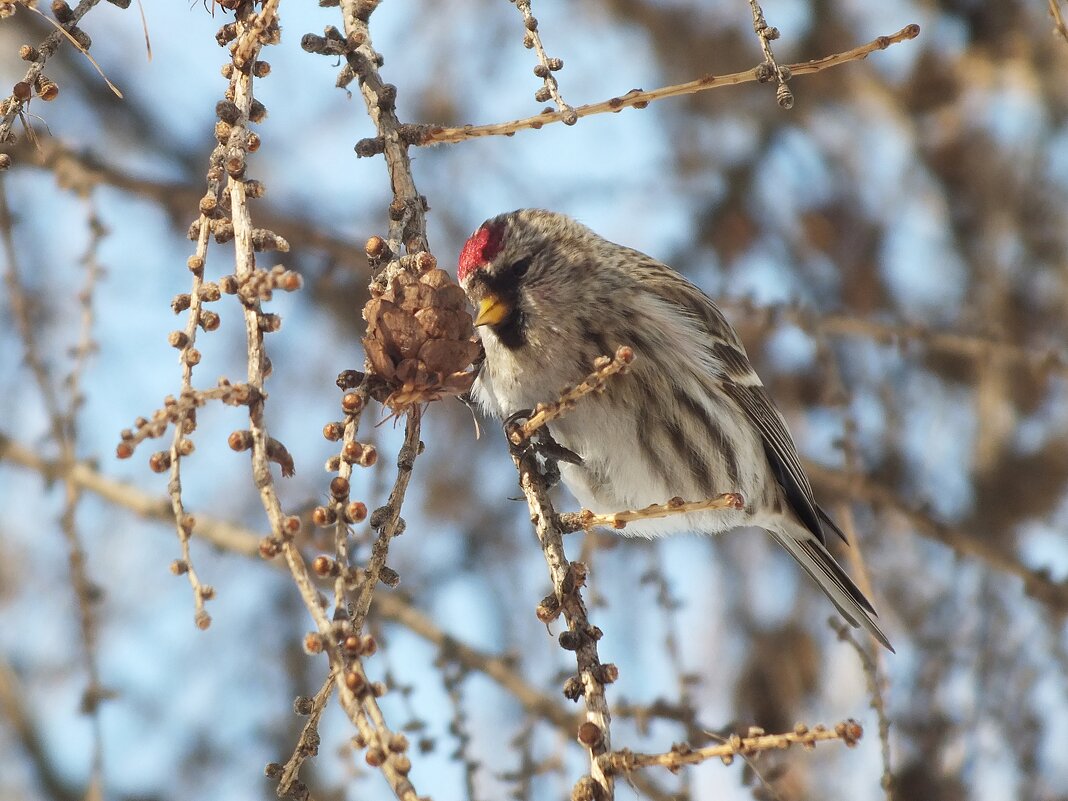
[(483, 245)]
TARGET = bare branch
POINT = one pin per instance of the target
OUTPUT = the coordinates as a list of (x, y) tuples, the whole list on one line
[(14, 105), (636, 98), (546, 65), (581, 636), (1058, 19), (770, 68), (622, 762), (595, 382), (875, 689), (584, 520), (1037, 583)]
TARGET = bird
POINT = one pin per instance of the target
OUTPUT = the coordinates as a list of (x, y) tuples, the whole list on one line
[(690, 419)]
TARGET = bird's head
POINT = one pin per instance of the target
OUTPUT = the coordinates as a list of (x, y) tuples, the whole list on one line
[(517, 266)]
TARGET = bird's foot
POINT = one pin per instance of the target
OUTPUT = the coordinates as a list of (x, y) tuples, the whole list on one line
[(547, 450)]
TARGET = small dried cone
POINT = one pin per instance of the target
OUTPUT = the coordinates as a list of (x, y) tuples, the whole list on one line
[(419, 339)]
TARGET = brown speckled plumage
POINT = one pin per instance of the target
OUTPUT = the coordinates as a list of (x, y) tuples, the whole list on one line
[(691, 419)]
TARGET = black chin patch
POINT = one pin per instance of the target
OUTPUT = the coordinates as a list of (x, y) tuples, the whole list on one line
[(511, 331), (505, 284)]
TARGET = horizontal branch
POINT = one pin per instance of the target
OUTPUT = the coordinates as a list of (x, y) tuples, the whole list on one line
[(585, 519), (636, 98), (971, 346), (626, 761)]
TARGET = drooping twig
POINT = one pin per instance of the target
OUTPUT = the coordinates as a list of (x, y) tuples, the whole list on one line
[(603, 369), (546, 65), (770, 68), (878, 703), (62, 402), (622, 762), (308, 743), (636, 98)]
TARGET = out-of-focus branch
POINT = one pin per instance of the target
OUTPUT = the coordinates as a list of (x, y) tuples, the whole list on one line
[(1037, 583), (62, 400), (17, 717), (878, 702), (223, 535), (970, 346), (636, 98), (82, 171), (622, 762), (1058, 19)]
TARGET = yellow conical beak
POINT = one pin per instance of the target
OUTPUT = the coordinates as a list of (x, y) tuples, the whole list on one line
[(491, 310)]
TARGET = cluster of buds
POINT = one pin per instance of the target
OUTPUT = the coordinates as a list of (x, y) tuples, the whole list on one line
[(419, 336)]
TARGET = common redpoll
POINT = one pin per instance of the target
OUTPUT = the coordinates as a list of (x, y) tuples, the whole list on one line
[(691, 419)]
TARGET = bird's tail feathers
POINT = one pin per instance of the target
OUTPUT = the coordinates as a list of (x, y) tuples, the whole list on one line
[(817, 561)]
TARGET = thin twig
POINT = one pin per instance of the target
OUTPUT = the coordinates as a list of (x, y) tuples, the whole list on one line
[(770, 68), (636, 98), (626, 761), (79, 47), (546, 65), (62, 410), (603, 368), (873, 675), (308, 742), (12, 106), (390, 520), (585, 520), (1037, 583), (1058, 19), (407, 225)]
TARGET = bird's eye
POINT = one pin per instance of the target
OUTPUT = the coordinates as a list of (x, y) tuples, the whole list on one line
[(519, 268)]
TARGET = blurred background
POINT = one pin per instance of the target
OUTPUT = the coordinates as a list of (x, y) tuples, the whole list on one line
[(891, 250)]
